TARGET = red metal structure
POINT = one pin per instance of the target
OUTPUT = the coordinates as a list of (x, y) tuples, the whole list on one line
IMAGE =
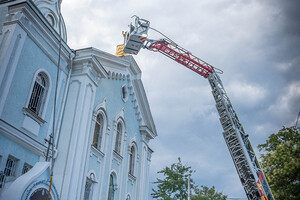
[(182, 56)]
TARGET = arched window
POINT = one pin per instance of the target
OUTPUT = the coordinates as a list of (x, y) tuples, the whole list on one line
[(124, 93), (98, 131), (118, 138), (111, 190), (38, 94), (131, 160), (89, 186)]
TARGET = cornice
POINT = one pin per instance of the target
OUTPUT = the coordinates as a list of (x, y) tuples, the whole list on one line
[(144, 107), (145, 131), (133, 67), (86, 64), (106, 59), (22, 139)]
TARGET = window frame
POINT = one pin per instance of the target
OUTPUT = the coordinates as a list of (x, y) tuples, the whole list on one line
[(124, 93), (100, 109), (128, 197), (26, 168), (132, 160), (92, 180), (112, 186), (38, 93), (97, 142), (118, 140), (119, 119), (39, 117), (13, 168)]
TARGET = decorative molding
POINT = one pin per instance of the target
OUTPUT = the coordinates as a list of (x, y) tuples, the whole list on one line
[(86, 64), (100, 106), (51, 12), (97, 153), (131, 143), (131, 178), (144, 115), (89, 176), (86, 69), (22, 138), (116, 75), (117, 157), (149, 154), (146, 134), (31, 125), (118, 116), (115, 176)]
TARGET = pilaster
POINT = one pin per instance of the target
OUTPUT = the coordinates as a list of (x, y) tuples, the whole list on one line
[(73, 144), (11, 44)]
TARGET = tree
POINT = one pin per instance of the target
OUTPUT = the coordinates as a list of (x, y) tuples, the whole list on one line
[(174, 184), (281, 163), (206, 193)]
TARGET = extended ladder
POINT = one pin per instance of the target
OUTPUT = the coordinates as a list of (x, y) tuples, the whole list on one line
[(239, 145)]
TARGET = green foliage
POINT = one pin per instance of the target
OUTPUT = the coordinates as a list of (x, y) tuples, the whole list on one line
[(206, 193), (175, 182), (174, 185), (281, 163)]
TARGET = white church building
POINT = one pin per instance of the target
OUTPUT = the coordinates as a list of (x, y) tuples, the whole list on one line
[(101, 122)]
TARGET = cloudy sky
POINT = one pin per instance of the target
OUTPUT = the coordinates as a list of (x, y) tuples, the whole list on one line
[(256, 44)]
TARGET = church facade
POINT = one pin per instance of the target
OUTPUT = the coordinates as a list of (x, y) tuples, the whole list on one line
[(79, 115)]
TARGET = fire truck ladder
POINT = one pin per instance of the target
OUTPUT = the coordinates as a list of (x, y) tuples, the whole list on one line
[(238, 143)]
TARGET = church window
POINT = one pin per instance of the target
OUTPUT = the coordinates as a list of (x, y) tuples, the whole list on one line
[(131, 160), (98, 131), (10, 166), (124, 93), (89, 186), (118, 138), (38, 94), (111, 190), (87, 190), (26, 168)]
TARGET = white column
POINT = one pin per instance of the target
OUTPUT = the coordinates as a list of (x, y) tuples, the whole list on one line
[(142, 187), (74, 143)]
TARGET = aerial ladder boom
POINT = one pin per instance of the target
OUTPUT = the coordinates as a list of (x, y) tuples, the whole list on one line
[(238, 143)]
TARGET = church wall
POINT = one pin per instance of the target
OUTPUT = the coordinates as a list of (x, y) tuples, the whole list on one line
[(110, 89), (94, 164), (26, 49), (31, 59), (8, 147)]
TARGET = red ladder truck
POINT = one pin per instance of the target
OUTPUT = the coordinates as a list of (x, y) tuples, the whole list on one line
[(238, 143)]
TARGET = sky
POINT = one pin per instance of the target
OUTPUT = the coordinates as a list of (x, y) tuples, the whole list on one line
[(256, 44)]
